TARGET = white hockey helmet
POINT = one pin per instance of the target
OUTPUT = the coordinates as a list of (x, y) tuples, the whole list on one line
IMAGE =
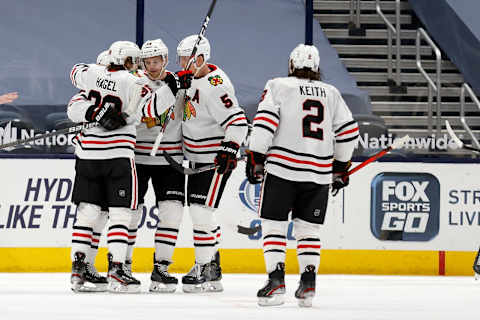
[(154, 48), (185, 47), (103, 58), (120, 50), (304, 56)]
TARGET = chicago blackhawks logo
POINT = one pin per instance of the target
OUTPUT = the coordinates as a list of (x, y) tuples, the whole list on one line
[(189, 111), (216, 80)]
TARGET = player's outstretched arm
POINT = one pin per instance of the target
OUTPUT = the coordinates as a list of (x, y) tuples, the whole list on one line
[(8, 97)]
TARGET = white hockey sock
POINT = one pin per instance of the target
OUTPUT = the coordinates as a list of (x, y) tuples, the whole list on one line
[(170, 213), (96, 235), (308, 244), (274, 242), (204, 239), (132, 231), (308, 253), (81, 240), (218, 236), (165, 240), (87, 215)]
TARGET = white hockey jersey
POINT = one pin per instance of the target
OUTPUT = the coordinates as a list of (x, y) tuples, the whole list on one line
[(302, 125), (172, 137), (211, 115), (98, 86)]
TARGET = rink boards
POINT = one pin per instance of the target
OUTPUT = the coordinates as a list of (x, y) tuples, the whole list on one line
[(394, 218)]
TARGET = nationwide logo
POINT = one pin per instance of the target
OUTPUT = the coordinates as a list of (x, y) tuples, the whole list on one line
[(10, 133), (427, 143), (405, 206)]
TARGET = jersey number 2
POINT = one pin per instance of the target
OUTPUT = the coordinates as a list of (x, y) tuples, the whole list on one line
[(308, 105)]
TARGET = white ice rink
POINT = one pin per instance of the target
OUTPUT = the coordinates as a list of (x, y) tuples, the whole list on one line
[(47, 296)]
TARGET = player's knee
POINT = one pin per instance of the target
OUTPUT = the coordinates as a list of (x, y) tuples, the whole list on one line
[(122, 216), (87, 214), (303, 229), (203, 218), (170, 213), (274, 227)]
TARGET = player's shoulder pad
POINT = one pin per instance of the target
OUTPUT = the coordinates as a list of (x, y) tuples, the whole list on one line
[(217, 78)]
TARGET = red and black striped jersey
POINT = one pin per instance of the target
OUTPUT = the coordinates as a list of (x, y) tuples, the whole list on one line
[(172, 137), (211, 115), (98, 86), (302, 125)]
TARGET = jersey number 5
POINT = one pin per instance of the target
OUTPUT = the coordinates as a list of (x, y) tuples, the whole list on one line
[(226, 101), (310, 119), (99, 102)]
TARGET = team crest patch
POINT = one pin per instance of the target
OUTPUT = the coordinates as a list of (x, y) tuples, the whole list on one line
[(216, 80), (189, 111)]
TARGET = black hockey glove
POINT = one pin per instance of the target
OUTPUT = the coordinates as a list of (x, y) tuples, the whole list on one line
[(340, 179), (106, 116), (255, 166), (226, 158), (179, 80)]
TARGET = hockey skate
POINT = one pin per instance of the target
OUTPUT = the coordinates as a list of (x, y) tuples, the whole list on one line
[(306, 287), (214, 280), (162, 281), (196, 279), (273, 293), (85, 277), (119, 281), (127, 266)]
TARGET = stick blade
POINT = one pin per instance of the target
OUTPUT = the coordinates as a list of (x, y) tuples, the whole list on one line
[(248, 230), (452, 134)]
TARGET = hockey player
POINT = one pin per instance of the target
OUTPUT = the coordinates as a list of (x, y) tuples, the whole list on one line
[(214, 126), (168, 184), (302, 133), (105, 168)]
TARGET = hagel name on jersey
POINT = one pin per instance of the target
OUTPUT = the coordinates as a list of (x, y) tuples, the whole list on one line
[(106, 84), (405, 206)]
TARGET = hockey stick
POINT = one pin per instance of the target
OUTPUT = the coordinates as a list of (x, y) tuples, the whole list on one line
[(457, 140), (70, 130), (189, 171), (203, 29), (397, 143)]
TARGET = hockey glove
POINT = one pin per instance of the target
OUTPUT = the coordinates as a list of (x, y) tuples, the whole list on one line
[(340, 179), (179, 80), (106, 116), (226, 158), (255, 166)]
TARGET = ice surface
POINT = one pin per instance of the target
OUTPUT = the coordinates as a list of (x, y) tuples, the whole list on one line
[(48, 296)]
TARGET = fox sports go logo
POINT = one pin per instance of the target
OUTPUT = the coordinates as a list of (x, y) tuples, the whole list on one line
[(405, 206)]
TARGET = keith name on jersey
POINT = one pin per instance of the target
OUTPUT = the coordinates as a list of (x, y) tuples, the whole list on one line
[(312, 91), (106, 84)]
